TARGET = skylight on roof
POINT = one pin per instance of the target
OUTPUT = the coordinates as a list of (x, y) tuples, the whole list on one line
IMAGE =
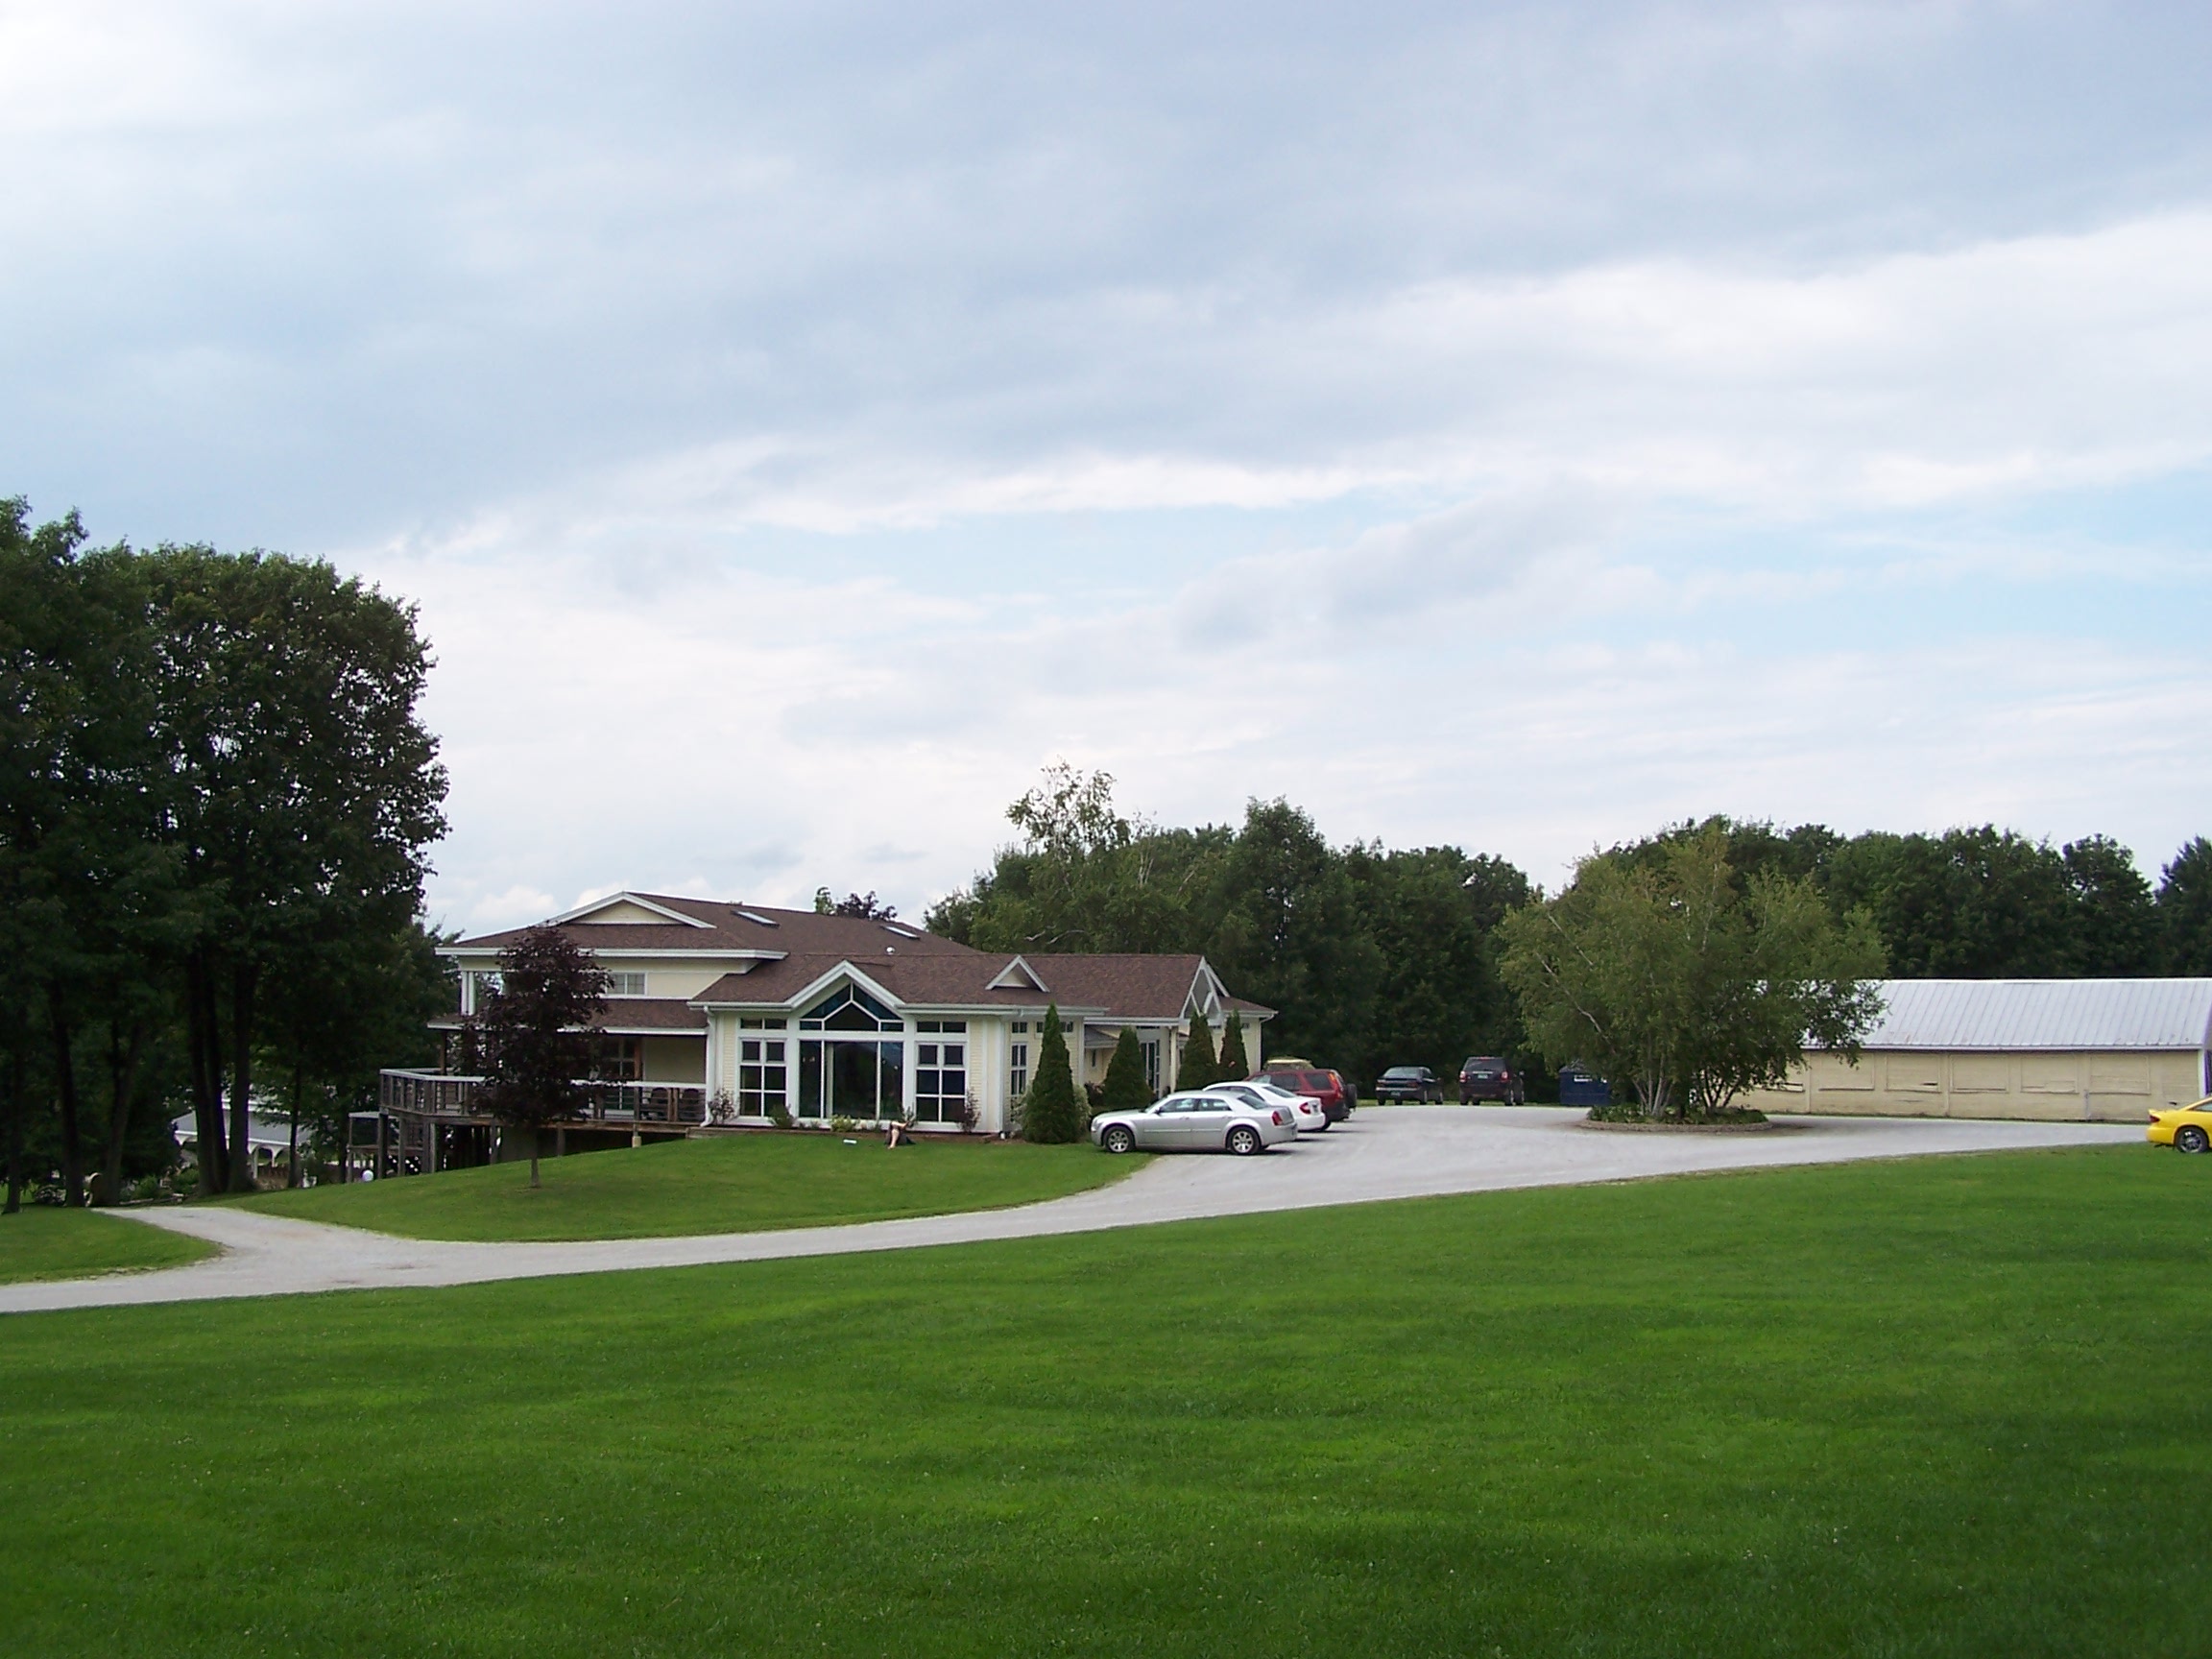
[(764, 921), (902, 932)]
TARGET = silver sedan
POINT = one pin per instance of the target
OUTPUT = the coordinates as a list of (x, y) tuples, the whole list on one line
[(1194, 1122)]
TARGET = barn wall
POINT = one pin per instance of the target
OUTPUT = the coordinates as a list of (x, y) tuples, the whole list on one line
[(2109, 1085)]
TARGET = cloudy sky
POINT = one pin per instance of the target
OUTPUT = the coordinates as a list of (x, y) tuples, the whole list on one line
[(1511, 425)]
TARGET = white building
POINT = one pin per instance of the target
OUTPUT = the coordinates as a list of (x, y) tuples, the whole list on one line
[(2070, 1049), (722, 1012)]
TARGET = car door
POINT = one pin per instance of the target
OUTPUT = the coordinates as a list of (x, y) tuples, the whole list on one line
[(1161, 1129), (1209, 1121)]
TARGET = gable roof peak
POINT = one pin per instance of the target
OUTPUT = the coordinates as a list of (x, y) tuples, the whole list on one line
[(627, 904)]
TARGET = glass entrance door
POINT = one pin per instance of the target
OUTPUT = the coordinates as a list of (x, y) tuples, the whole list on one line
[(844, 1078)]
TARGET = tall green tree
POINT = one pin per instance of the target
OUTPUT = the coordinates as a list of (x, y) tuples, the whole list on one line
[(1052, 1111), (338, 1011), (1198, 1068), (1291, 936), (1666, 978), (534, 1032), (2114, 930), (307, 788), (2184, 908), (1126, 1089)]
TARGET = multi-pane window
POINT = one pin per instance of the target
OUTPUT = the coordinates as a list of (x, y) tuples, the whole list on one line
[(1151, 1049), (761, 1081), (618, 1060), (626, 984), (940, 1081)]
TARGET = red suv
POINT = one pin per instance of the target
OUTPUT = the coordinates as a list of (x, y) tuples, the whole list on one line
[(1335, 1096)]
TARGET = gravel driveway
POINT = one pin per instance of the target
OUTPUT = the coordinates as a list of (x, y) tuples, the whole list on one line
[(1390, 1153)]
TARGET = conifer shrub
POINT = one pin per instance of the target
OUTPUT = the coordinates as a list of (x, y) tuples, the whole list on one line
[(1198, 1068), (1233, 1066), (1126, 1090), (1052, 1111)]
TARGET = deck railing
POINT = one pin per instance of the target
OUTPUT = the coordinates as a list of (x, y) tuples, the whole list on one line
[(446, 1095)]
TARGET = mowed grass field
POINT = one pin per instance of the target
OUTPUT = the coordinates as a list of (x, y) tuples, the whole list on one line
[(1937, 1408), (42, 1241), (729, 1184)]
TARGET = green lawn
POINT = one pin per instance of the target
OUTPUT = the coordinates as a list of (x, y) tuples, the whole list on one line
[(1940, 1407), (43, 1242), (731, 1184)]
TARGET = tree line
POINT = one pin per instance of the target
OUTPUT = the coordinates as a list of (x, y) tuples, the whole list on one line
[(1374, 956), (214, 812)]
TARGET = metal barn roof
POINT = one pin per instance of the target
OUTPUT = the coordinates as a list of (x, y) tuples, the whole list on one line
[(2043, 1014)]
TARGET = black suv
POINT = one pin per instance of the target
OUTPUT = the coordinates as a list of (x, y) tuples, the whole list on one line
[(1415, 1083), (1486, 1078)]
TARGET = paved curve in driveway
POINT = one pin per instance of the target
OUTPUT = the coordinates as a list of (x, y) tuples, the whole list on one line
[(1402, 1152)]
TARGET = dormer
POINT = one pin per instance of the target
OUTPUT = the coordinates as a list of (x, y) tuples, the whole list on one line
[(1018, 976)]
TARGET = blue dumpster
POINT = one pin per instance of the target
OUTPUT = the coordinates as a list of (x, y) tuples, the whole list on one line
[(1580, 1088)]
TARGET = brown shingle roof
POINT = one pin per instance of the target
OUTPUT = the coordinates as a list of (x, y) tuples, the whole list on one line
[(726, 928), (914, 967), (1113, 987)]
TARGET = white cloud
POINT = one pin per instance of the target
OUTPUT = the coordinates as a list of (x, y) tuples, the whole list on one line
[(1503, 424)]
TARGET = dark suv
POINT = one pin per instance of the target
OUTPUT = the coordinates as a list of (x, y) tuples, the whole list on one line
[(1326, 1089), (1415, 1083), (1486, 1078)]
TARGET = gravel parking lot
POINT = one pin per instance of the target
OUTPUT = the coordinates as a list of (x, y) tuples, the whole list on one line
[(1381, 1153)]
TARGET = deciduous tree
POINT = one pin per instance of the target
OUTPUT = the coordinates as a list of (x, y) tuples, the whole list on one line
[(1666, 977), (533, 1031)]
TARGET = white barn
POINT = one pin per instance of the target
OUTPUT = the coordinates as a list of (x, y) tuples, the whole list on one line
[(2054, 1048)]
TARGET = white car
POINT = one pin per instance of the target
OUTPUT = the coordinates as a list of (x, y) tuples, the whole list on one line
[(1196, 1122), (1304, 1111)]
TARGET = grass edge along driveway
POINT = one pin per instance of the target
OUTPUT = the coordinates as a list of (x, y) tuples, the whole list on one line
[(46, 1241), (1944, 1406), (723, 1183)]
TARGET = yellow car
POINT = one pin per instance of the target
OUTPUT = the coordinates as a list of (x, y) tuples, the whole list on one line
[(2184, 1128)]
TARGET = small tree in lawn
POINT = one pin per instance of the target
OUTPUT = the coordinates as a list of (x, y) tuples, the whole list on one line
[(1052, 1111), (1126, 1090), (1198, 1068), (1232, 1067), (534, 1033)]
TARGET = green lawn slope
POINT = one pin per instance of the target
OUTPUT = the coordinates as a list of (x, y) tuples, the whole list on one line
[(1939, 1408), (727, 1183), (44, 1241)]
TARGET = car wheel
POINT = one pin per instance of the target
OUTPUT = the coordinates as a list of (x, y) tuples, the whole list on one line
[(2190, 1139), (1118, 1137), (1243, 1140)]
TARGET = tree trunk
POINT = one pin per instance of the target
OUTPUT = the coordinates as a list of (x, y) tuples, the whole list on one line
[(14, 1202), (292, 1166), (533, 1157), (204, 1040), (123, 1058), (66, 1088), (245, 981)]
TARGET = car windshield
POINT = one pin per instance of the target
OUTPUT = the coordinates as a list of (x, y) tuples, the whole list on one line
[(1403, 1071), (1315, 1080)]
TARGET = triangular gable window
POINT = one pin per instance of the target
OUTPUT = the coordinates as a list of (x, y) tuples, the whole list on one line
[(849, 1008)]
